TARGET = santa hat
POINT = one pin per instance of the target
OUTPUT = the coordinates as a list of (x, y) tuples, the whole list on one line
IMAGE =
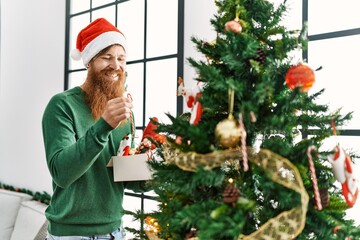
[(97, 36)]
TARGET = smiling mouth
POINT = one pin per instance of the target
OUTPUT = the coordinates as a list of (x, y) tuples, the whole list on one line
[(115, 76)]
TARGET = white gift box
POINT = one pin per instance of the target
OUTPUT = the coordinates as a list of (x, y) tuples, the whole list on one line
[(130, 168)]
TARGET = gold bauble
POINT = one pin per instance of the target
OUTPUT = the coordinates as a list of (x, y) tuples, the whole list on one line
[(228, 133)]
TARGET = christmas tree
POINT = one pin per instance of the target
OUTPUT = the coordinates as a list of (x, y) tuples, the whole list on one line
[(245, 163)]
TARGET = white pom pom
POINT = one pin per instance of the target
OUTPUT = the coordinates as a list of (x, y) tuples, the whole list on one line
[(75, 54)]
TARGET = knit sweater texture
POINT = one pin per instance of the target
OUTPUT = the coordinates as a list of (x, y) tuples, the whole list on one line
[(85, 201)]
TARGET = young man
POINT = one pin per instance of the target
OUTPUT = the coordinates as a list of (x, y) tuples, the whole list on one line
[(82, 130)]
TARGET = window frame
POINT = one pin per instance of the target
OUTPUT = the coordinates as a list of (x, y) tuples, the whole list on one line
[(324, 36)]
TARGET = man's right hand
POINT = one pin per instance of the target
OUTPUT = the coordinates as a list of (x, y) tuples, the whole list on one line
[(117, 110)]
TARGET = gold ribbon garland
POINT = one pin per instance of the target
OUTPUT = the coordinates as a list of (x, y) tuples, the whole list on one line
[(288, 224), (191, 161)]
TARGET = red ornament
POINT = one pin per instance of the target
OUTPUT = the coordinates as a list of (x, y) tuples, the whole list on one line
[(301, 76), (233, 26)]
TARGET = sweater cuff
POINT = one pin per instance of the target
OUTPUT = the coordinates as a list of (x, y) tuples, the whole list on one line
[(102, 129)]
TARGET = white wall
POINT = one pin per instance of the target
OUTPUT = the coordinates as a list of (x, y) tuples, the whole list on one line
[(32, 70)]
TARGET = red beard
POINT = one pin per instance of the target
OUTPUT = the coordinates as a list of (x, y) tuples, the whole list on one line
[(99, 89)]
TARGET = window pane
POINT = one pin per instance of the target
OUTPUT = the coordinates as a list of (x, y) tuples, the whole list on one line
[(135, 86), (131, 204), (131, 23), (353, 213), (348, 143), (138, 136), (151, 194), (76, 24), (162, 27), (97, 3), (77, 78), (108, 13), (150, 205), (325, 16), (161, 80), (339, 74), (292, 19), (79, 6)]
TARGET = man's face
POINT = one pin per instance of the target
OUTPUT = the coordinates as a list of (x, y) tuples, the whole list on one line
[(106, 78), (111, 63)]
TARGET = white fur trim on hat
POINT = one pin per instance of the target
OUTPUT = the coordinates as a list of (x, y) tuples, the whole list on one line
[(100, 42), (75, 54)]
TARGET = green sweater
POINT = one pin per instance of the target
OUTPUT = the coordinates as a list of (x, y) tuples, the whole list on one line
[(85, 201)]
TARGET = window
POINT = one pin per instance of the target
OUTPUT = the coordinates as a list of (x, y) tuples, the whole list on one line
[(154, 61), (334, 36), (334, 47)]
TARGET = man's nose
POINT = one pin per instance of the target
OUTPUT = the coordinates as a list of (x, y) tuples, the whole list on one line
[(116, 64)]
